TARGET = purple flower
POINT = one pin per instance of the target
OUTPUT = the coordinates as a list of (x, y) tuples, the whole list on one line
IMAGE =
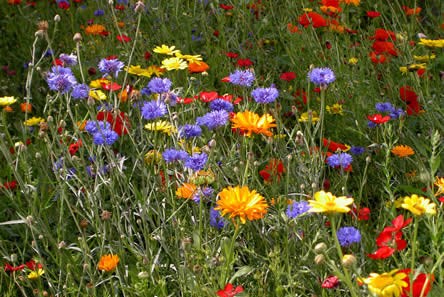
[(61, 79), (384, 107), (111, 66), (296, 208), (322, 76), (99, 12), (189, 131), (397, 113), (221, 104), (172, 155), (196, 162), (216, 220), (92, 127), (80, 91), (68, 60), (105, 137), (348, 235), (357, 150), (243, 78), (265, 95), (340, 160), (153, 109), (159, 85), (213, 119)]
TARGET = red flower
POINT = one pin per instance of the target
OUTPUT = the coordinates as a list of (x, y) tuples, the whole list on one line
[(288, 76), (147, 55), (373, 14), (208, 96), (123, 38), (312, 18), (382, 253), (378, 118), (334, 146), (229, 98), (64, 5), (74, 147), (216, 33), (272, 171), (407, 94), (383, 35), (229, 291), (330, 282), (362, 214), (232, 55), (110, 86), (31, 264), (57, 62), (9, 185), (9, 268), (120, 7), (421, 285), (377, 58), (244, 63), (382, 47), (226, 7), (119, 122)]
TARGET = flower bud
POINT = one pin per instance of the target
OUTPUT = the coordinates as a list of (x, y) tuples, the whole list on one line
[(57, 18), (320, 248), (140, 6), (348, 260), (77, 37), (319, 259)]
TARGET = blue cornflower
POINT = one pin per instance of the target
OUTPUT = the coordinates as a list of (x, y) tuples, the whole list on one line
[(340, 160), (216, 220), (189, 131), (221, 104), (357, 150), (145, 91), (322, 76), (348, 235), (68, 60), (196, 161), (92, 127), (159, 85), (208, 191), (153, 109), (172, 155), (105, 137), (61, 79), (397, 113), (80, 91), (243, 78), (99, 12), (265, 95), (384, 107), (213, 119), (296, 208), (111, 66)]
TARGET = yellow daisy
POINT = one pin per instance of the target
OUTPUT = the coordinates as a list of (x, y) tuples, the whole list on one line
[(161, 126), (166, 50), (7, 100), (387, 284), (327, 202), (418, 205), (34, 121), (251, 123), (174, 64)]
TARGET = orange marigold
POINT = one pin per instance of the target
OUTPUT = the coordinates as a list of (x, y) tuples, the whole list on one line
[(241, 202), (108, 262), (402, 151), (186, 191), (95, 29), (251, 123)]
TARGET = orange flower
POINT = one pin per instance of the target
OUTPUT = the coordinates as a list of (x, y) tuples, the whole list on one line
[(411, 11), (108, 262), (198, 67), (26, 107), (95, 29), (354, 2), (8, 109), (251, 123), (241, 202), (186, 191), (402, 151)]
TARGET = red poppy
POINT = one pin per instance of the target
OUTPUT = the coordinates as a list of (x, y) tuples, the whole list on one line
[(334, 146), (31, 264), (232, 55), (312, 18), (382, 253), (330, 282), (9, 268), (9, 185), (407, 94), (362, 214), (378, 118), (230, 291), (119, 7), (147, 55), (421, 285), (208, 96), (64, 5), (288, 76), (292, 28), (110, 86), (301, 94), (112, 57), (216, 33), (373, 14), (230, 98), (383, 35), (74, 147), (57, 62), (377, 58), (245, 63), (273, 171), (226, 7), (119, 122), (123, 38), (382, 47)]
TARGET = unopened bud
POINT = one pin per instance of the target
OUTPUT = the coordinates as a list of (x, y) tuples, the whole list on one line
[(140, 6), (39, 33), (143, 274), (320, 248), (57, 18), (106, 215), (348, 260), (212, 143), (319, 259), (77, 37)]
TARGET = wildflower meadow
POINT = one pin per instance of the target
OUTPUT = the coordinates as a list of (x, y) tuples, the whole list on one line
[(222, 148)]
